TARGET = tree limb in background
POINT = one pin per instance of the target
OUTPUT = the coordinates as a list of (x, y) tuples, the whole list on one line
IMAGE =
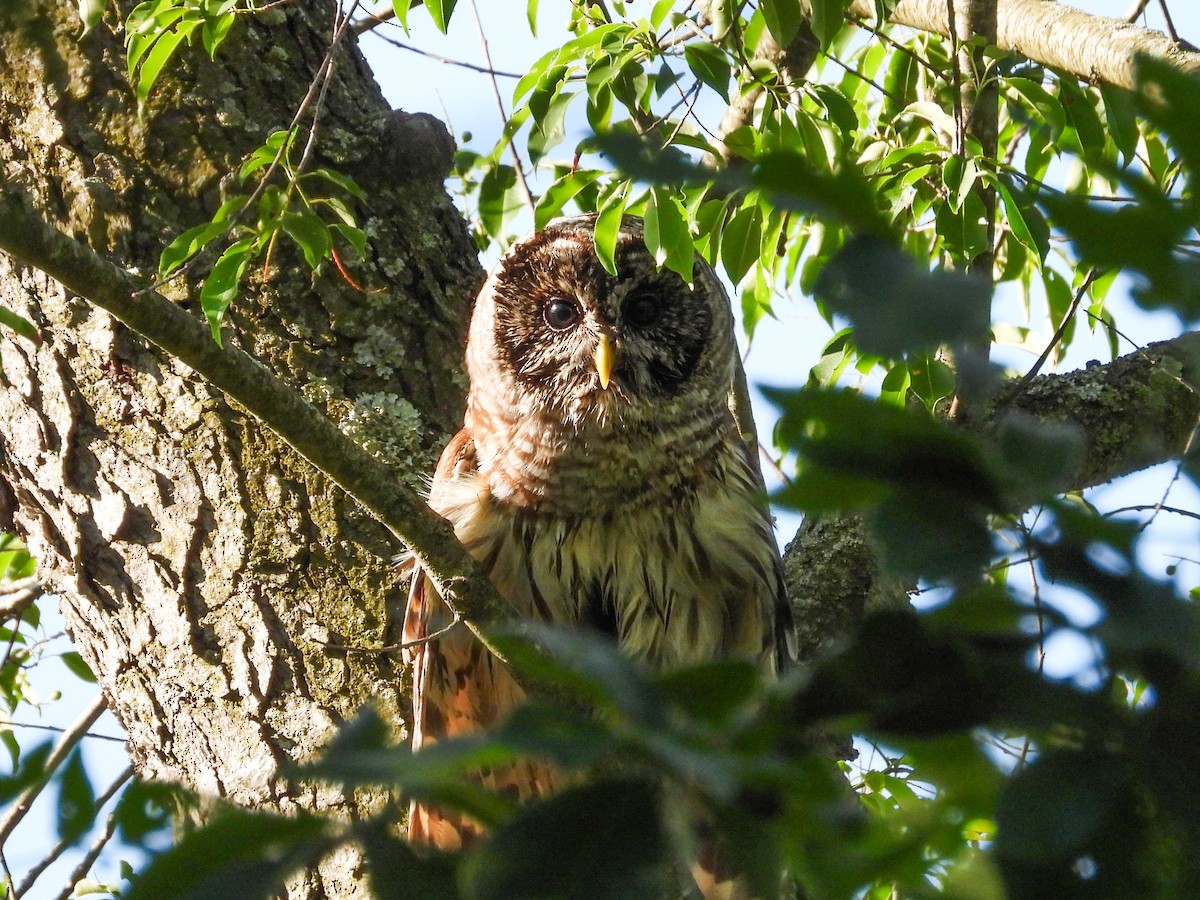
[(1091, 47), (1136, 411)]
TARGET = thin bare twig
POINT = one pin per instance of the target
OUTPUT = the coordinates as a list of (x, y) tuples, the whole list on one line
[(1155, 507), (8, 879), (19, 585), (16, 602), (1058, 335), (437, 57), (1171, 25), (89, 859), (384, 12), (1139, 7), (64, 844), (315, 94), (397, 648), (57, 730), (70, 738), (325, 74), (512, 145)]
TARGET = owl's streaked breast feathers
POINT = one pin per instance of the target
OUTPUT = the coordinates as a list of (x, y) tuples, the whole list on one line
[(600, 480)]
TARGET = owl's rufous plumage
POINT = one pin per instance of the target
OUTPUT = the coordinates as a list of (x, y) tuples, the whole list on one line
[(601, 481)]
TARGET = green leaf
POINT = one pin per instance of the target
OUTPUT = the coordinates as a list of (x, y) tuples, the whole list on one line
[(162, 51), (897, 305), (549, 130), (441, 10), (1083, 119), (1120, 118), (356, 237), (722, 14), (741, 241), (1041, 456), (497, 203), (828, 17), (931, 533), (563, 190), (659, 13), (1024, 221), (1049, 109), (715, 693), (539, 853), (874, 446), (608, 225), (222, 284), (710, 64), (396, 871), (345, 182), (883, 10), (91, 12), (76, 800), (783, 18), (1064, 805), (148, 808), (840, 111), (10, 744), (583, 664), (1100, 235), (930, 379), (401, 8), (666, 233), (844, 196), (277, 145), (531, 12), (1168, 98), (188, 245), (196, 239), (18, 323), (75, 664), (218, 20), (959, 174), (310, 234), (31, 771), (255, 851), (146, 24)]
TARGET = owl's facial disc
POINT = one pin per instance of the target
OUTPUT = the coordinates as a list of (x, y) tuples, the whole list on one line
[(591, 346)]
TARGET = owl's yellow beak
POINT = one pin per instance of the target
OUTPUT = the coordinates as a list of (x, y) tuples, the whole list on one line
[(606, 359)]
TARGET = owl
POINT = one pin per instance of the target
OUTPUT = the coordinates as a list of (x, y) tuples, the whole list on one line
[(601, 481)]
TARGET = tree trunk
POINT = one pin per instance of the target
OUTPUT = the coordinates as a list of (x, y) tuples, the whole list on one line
[(202, 568)]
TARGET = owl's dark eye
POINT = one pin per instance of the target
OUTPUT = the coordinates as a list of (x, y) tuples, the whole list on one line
[(642, 310), (561, 313)]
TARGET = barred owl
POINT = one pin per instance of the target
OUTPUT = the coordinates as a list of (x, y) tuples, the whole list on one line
[(601, 481)]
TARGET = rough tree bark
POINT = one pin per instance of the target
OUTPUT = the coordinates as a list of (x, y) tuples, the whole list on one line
[(202, 567), (204, 570)]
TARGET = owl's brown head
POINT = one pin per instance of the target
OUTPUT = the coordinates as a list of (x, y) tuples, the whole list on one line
[(565, 337)]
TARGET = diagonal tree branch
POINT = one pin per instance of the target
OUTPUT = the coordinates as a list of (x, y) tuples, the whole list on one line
[(1136, 411), (1093, 48), (26, 237)]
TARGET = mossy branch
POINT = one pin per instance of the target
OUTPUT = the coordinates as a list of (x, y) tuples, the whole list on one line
[(466, 590), (1090, 47)]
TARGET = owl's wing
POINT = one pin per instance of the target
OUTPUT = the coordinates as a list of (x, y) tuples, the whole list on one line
[(787, 644), (458, 686)]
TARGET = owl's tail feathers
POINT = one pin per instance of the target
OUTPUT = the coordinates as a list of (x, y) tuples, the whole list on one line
[(442, 830), (449, 831), (713, 887)]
